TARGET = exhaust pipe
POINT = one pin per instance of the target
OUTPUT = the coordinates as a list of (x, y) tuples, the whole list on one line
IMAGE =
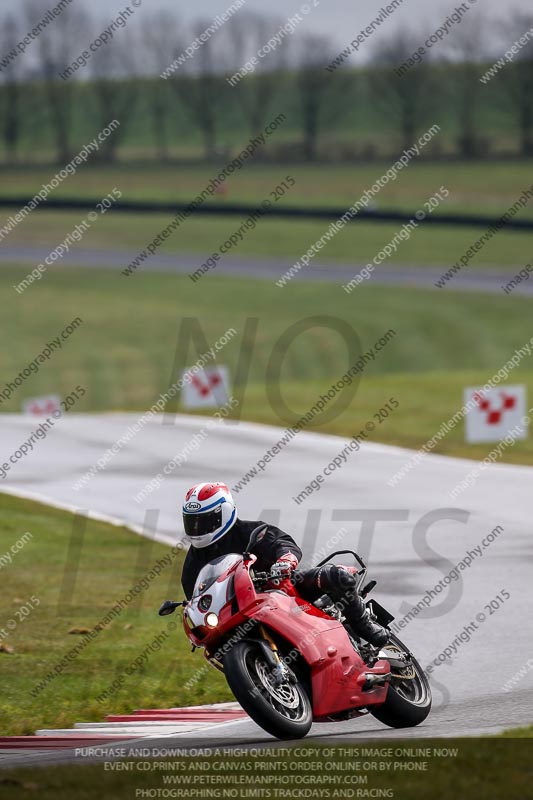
[(372, 680)]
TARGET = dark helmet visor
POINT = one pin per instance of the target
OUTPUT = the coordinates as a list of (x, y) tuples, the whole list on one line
[(200, 524)]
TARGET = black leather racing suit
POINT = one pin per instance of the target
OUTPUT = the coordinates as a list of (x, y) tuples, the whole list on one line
[(335, 581), (274, 544)]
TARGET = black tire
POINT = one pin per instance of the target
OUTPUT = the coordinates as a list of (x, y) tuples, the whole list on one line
[(241, 665), (408, 702)]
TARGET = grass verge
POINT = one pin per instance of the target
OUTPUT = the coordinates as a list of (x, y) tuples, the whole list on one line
[(287, 241), (79, 570), (474, 187), (130, 347)]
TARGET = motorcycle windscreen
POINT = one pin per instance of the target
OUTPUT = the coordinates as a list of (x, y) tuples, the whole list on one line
[(209, 574)]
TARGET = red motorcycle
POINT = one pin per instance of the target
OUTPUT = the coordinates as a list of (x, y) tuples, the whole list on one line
[(289, 662)]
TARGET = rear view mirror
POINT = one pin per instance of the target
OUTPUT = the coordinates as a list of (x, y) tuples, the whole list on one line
[(255, 536), (168, 607)]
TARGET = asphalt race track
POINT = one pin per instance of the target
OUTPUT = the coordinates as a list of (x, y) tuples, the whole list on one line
[(479, 280), (412, 536)]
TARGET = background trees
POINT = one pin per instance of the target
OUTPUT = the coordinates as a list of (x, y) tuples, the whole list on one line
[(12, 78), (196, 111), (54, 50), (408, 98), (517, 80)]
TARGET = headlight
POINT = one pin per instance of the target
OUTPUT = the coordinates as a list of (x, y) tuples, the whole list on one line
[(211, 620)]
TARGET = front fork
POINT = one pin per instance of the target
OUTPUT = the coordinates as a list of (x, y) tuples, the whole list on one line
[(280, 672)]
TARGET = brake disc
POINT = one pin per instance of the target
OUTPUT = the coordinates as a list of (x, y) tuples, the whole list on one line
[(285, 693)]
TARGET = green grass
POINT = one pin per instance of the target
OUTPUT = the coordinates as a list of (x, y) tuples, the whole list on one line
[(124, 353), (357, 244), (518, 733), (489, 188), (78, 594), (474, 188)]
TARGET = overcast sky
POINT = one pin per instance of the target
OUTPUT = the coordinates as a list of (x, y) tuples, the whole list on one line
[(342, 19)]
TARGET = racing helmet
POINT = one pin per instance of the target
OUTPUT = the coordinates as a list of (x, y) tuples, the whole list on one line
[(208, 513)]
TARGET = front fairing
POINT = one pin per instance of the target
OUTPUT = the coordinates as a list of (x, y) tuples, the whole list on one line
[(212, 595)]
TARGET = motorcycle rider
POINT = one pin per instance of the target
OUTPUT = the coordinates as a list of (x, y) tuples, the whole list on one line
[(213, 529)]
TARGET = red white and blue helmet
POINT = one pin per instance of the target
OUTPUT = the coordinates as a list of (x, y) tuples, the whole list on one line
[(208, 513)]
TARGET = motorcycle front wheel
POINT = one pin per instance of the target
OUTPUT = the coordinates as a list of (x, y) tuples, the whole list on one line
[(282, 710), (408, 701)]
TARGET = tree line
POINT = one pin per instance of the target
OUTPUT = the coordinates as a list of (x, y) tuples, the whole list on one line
[(143, 77)]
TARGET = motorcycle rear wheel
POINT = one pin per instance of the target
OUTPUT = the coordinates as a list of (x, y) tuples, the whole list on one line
[(408, 702), (283, 711)]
